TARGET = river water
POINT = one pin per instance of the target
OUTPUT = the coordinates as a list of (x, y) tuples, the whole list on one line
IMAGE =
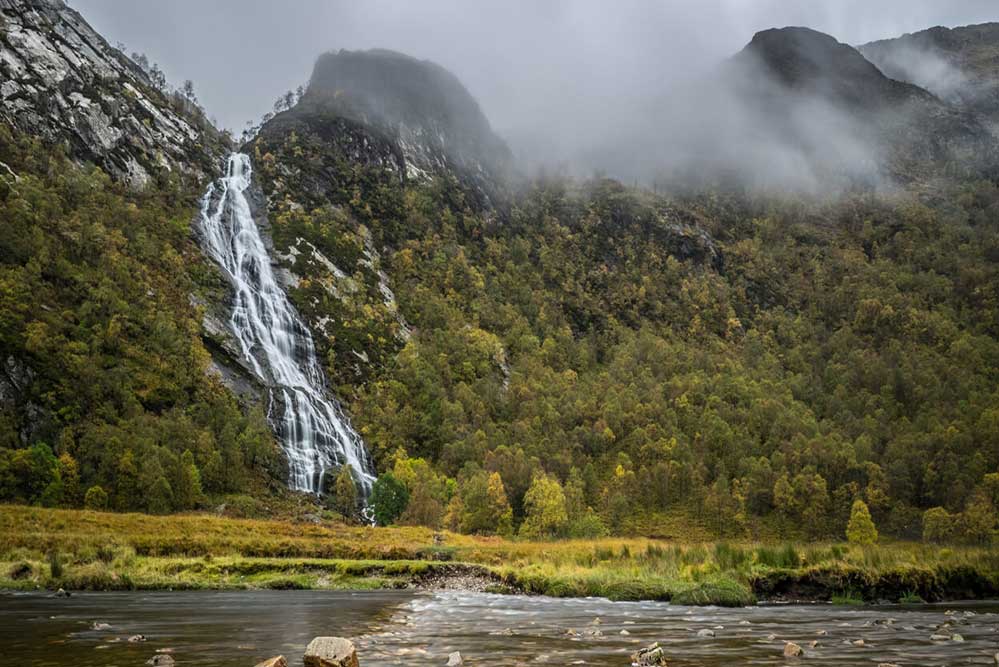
[(405, 628)]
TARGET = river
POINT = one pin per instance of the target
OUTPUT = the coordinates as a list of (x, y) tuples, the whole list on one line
[(405, 628)]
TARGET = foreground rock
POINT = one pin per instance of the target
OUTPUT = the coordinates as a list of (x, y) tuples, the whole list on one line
[(276, 661), (792, 650), (330, 652), (649, 656)]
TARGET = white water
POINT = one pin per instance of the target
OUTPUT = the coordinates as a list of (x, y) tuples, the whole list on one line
[(315, 433)]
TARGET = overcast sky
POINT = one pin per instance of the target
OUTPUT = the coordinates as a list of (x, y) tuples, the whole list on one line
[(526, 61)]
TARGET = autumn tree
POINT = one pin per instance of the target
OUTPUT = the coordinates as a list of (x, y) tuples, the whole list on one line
[(545, 509), (860, 529)]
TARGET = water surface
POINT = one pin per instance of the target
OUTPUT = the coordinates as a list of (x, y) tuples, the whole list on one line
[(406, 628)]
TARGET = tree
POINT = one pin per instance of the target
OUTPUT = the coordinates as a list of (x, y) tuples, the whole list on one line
[(187, 491), (344, 498), (938, 525), (860, 529), (545, 509), (389, 498), (160, 497), (69, 471), (978, 520), (481, 505), (96, 499)]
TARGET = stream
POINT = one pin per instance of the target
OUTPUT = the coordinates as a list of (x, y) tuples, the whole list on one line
[(409, 628)]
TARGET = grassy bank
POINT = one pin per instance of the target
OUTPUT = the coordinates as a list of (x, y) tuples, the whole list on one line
[(42, 548)]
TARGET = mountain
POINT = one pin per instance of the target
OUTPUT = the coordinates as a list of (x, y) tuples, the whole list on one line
[(960, 65), (805, 89), (61, 81), (417, 119)]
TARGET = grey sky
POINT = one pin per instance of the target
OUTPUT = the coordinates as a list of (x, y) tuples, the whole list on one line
[(530, 63)]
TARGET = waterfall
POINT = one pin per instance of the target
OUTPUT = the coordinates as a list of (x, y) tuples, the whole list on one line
[(315, 433)]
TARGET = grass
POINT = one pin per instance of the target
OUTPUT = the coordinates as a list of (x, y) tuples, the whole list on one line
[(92, 550)]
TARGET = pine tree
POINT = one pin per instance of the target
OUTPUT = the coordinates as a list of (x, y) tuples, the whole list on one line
[(860, 529)]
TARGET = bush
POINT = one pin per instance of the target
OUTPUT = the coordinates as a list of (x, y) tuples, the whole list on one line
[(860, 529), (55, 565), (938, 525), (96, 499)]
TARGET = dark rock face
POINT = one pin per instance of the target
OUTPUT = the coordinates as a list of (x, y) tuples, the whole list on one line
[(430, 121), (60, 80), (811, 90), (959, 65)]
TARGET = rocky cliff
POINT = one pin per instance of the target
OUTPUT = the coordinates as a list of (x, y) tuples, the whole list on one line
[(62, 81)]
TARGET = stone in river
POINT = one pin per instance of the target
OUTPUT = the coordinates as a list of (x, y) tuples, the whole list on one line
[(161, 660), (650, 656), (454, 659), (276, 661), (330, 652), (706, 632), (792, 650)]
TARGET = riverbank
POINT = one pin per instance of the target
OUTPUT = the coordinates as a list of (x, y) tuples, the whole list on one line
[(83, 550)]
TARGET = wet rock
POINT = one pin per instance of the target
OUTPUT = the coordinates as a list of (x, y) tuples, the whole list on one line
[(276, 661), (649, 656), (330, 652), (936, 637), (100, 627), (624, 632), (706, 632), (887, 664), (137, 638), (822, 633), (592, 632), (454, 659), (956, 638), (792, 650), (161, 660), (59, 593), (813, 643), (858, 642), (771, 637)]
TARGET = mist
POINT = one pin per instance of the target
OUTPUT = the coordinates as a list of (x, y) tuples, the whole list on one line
[(578, 86)]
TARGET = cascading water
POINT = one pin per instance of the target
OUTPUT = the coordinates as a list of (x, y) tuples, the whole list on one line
[(315, 433)]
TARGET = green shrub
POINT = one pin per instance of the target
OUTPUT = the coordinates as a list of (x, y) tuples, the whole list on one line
[(96, 499)]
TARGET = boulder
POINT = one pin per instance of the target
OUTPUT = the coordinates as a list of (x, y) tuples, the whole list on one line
[(330, 652), (792, 650), (161, 660), (276, 661), (454, 659), (650, 656)]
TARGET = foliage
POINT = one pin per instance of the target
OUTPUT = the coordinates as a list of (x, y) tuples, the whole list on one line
[(389, 498), (545, 509), (344, 498), (96, 499), (860, 529)]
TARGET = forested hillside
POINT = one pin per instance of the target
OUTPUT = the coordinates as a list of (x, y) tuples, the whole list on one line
[(544, 358), (721, 358)]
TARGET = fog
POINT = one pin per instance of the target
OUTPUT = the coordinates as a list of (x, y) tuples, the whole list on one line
[(585, 86)]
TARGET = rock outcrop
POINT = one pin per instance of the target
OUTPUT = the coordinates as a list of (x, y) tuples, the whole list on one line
[(62, 81), (330, 652)]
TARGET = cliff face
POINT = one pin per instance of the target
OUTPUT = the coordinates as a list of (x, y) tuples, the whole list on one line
[(62, 81)]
